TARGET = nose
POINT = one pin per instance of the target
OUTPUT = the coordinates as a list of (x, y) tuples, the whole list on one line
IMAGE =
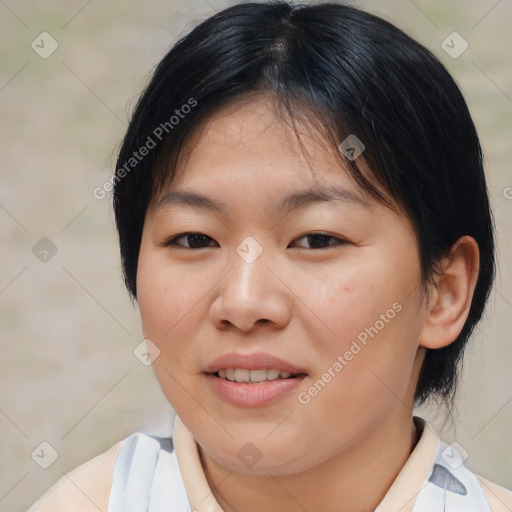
[(251, 294)]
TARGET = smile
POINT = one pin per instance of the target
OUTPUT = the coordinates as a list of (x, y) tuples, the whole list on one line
[(254, 376), (269, 386)]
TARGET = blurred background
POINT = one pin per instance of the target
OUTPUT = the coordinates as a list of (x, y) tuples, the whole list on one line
[(70, 75)]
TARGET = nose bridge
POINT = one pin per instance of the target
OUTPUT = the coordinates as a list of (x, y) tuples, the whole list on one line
[(249, 263), (249, 280), (250, 292)]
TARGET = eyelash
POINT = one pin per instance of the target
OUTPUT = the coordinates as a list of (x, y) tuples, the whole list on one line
[(172, 242)]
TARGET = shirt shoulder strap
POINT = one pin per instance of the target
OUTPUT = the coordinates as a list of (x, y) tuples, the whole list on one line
[(451, 486), (146, 477)]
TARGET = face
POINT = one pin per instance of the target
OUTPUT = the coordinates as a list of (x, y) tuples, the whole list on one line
[(266, 275)]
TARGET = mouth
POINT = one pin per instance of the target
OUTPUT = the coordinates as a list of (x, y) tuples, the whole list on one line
[(258, 379), (256, 376), (253, 367)]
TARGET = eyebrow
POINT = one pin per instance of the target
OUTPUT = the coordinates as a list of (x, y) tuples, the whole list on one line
[(291, 202)]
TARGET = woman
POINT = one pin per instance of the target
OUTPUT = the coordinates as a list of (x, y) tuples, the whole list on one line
[(304, 223)]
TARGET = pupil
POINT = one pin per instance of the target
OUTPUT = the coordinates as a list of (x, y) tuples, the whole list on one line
[(323, 238), (200, 238)]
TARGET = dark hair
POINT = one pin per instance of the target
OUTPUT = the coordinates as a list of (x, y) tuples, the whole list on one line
[(347, 72)]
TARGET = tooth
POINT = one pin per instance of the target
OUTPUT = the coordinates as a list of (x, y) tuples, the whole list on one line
[(259, 375), (272, 374), (242, 375)]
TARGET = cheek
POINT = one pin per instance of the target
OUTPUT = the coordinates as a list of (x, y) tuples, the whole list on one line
[(360, 382), (153, 298), (372, 315), (167, 302), (365, 296)]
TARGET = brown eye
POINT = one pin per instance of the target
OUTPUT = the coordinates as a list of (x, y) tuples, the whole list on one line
[(321, 241), (194, 241)]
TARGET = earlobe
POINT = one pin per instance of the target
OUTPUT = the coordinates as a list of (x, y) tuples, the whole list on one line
[(451, 296)]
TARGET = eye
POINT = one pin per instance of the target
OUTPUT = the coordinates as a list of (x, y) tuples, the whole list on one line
[(321, 240), (195, 241), (200, 240)]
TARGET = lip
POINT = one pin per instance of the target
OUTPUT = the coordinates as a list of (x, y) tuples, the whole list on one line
[(254, 361), (258, 394)]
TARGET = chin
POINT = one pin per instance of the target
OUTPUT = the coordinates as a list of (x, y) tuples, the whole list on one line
[(260, 458)]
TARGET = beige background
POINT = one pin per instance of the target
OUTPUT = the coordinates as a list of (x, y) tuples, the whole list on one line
[(68, 330)]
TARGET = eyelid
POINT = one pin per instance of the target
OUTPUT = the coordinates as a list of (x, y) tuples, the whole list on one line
[(339, 240), (171, 242)]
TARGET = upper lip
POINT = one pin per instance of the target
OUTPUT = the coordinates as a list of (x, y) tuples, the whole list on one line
[(255, 361)]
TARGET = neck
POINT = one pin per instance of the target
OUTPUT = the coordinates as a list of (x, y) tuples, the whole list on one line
[(354, 480)]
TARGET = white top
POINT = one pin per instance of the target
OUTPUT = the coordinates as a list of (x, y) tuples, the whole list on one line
[(146, 473)]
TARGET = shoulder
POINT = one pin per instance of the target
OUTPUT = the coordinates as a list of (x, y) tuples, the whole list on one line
[(86, 488), (450, 485), (138, 471), (499, 498)]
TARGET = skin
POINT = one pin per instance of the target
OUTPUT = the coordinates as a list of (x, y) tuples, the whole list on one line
[(303, 304)]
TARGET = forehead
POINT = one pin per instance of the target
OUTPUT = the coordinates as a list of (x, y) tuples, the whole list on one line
[(250, 145), (252, 130)]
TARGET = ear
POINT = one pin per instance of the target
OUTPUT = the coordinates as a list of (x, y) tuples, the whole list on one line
[(451, 295)]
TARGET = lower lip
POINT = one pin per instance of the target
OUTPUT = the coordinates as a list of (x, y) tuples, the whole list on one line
[(258, 394)]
